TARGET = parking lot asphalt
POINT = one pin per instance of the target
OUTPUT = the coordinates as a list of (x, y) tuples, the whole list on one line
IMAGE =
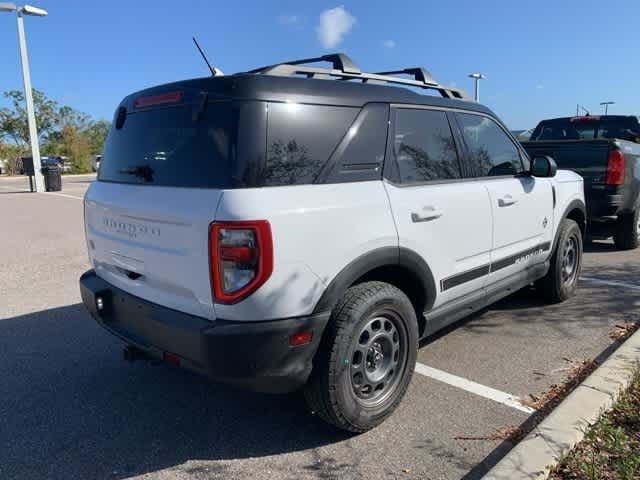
[(70, 407)]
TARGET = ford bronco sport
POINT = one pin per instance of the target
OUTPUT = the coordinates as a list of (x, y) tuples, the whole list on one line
[(303, 227)]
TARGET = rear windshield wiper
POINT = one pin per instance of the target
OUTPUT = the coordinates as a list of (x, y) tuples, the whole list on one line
[(144, 171)]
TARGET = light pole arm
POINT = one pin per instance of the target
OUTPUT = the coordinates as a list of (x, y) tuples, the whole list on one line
[(28, 96)]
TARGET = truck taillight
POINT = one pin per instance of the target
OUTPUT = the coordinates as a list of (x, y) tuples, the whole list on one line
[(241, 258), (615, 168)]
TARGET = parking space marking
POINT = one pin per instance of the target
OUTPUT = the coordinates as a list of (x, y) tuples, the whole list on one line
[(613, 283), (64, 195), (473, 387)]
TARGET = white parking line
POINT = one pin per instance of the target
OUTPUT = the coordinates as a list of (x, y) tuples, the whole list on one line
[(473, 387), (613, 283), (63, 195)]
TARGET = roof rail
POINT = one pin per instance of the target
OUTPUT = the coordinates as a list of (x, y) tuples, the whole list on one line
[(419, 73), (340, 61), (345, 69)]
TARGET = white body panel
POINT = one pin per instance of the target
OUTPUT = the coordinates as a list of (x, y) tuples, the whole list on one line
[(159, 233), (449, 225), (317, 231), (569, 186), (522, 210)]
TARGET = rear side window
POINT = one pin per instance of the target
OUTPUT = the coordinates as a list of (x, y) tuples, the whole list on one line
[(173, 146), (424, 148), (491, 151), (300, 140)]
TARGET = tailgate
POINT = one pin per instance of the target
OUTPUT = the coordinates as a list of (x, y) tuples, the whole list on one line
[(153, 242), (588, 158), (166, 161)]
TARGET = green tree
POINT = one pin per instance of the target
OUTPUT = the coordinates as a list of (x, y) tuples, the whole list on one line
[(62, 130), (13, 120), (97, 134), (9, 154)]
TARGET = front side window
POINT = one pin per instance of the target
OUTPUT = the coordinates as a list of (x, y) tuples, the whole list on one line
[(424, 148), (491, 150)]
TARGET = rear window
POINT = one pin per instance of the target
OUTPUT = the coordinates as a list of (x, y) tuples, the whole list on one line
[(225, 145), (174, 146), (587, 128)]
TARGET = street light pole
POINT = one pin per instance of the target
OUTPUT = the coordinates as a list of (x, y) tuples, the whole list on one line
[(606, 106), (477, 77), (26, 78), (28, 96)]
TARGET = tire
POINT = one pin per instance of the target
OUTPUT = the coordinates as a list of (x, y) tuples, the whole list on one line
[(627, 234), (561, 280), (366, 358)]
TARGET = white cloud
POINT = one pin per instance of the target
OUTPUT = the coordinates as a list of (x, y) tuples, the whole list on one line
[(334, 24), (288, 19), (539, 86), (389, 43)]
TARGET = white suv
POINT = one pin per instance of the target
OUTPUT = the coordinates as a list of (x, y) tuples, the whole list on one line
[(281, 232)]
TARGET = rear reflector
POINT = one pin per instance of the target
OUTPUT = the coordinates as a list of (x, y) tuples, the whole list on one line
[(301, 338), (170, 97), (615, 168)]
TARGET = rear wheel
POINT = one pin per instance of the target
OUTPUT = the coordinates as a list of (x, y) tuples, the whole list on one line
[(366, 358), (561, 280), (627, 234)]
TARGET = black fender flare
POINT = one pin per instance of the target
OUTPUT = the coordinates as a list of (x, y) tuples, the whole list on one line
[(573, 205), (402, 257)]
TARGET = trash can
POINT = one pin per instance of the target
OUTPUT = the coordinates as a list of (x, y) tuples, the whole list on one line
[(52, 178)]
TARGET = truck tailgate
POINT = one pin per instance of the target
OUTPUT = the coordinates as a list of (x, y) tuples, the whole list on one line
[(588, 158)]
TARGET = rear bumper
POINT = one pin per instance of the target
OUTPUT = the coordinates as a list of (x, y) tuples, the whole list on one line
[(604, 206), (255, 355)]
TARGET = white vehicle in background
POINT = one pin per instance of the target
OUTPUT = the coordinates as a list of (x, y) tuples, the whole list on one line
[(95, 163), (280, 231)]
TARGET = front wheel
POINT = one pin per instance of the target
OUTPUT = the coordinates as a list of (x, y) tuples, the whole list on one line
[(366, 359), (627, 234), (561, 280)]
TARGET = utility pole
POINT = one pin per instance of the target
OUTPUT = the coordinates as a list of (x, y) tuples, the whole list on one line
[(477, 77)]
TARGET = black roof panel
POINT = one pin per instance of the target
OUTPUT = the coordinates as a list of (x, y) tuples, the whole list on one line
[(250, 86)]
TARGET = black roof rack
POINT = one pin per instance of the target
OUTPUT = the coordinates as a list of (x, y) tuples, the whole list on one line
[(343, 68)]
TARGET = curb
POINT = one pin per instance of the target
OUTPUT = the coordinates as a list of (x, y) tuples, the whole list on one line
[(565, 426)]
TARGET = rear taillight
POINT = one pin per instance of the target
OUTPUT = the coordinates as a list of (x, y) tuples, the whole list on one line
[(615, 168), (241, 258)]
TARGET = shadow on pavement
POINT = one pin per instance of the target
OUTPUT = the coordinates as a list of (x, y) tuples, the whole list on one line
[(599, 247), (72, 408)]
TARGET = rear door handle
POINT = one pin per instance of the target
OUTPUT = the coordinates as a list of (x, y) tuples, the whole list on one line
[(506, 201), (427, 214)]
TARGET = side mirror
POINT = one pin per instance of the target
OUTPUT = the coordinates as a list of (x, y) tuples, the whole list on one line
[(543, 166)]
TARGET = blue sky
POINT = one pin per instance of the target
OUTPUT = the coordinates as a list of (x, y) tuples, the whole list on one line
[(540, 58)]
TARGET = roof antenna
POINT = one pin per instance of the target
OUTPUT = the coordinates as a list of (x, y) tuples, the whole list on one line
[(215, 72)]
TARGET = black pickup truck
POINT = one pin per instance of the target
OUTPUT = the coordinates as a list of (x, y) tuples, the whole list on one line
[(605, 151)]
